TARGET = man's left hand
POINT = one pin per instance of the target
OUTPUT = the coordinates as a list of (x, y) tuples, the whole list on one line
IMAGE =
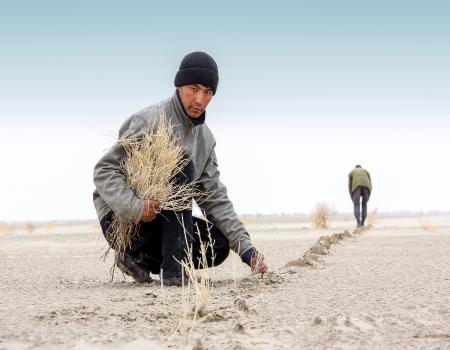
[(257, 264)]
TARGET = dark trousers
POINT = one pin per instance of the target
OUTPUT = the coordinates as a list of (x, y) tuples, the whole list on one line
[(160, 243), (360, 196)]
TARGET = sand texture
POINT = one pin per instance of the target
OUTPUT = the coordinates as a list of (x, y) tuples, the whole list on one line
[(387, 287)]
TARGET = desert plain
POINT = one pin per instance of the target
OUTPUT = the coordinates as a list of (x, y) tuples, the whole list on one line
[(384, 287)]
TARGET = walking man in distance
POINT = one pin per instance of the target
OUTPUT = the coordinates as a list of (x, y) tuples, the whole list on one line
[(360, 187)]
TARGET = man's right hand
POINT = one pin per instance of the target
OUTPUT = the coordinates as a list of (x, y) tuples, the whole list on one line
[(150, 210)]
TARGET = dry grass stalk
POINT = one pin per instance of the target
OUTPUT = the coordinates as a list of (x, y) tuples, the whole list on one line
[(51, 225), (373, 215), (245, 219), (320, 217), (7, 228), (29, 227), (427, 225), (201, 281), (150, 167)]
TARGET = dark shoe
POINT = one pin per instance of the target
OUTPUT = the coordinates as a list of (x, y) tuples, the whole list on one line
[(130, 267), (175, 281), (149, 262)]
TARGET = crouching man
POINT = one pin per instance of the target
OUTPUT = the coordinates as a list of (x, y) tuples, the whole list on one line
[(161, 241)]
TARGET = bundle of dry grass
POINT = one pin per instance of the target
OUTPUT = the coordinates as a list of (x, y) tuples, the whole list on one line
[(150, 167), (321, 215)]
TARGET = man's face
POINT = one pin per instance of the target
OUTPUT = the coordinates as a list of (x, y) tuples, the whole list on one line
[(195, 98)]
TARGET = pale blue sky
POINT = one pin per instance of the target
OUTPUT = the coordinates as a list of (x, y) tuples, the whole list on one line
[(377, 73)]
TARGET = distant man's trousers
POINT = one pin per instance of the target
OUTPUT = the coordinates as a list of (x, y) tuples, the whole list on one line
[(360, 196)]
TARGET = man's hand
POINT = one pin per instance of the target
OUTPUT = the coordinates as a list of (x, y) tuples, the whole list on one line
[(255, 260), (257, 264), (150, 210)]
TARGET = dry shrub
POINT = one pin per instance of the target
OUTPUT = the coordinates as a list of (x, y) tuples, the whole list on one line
[(7, 228), (150, 167), (372, 217), (29, 227), (320, 217), (427, 225), (51, 225)]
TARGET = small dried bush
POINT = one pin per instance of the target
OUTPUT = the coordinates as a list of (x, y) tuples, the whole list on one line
[(7, 228), (51, 225), (426, 225), (372, 217), (29, 227), (320, 217)]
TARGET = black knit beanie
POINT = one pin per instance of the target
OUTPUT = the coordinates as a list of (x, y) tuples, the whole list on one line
[(198, 68)]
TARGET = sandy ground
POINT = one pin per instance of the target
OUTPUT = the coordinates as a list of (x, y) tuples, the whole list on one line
[(384, 288)]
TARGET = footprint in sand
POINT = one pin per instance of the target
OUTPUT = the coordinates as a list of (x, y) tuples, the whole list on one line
[(241, 304)]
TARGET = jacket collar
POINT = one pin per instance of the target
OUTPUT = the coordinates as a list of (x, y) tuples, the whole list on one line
[(182, 115)]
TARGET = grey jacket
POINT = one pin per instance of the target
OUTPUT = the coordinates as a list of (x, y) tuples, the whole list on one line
[(113, 193)]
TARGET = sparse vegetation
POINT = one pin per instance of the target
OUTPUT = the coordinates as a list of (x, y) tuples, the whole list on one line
[(372, 217), (320, 217), (200, 281), (29, 227), (7, 228), (426, 225), (51, 225)]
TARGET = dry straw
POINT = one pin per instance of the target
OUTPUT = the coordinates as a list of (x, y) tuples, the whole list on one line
[(7, 228), (373, 216), (320, 217), (197, 284), (426, 225), (150, 167), (202, 279), (29, 227)]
